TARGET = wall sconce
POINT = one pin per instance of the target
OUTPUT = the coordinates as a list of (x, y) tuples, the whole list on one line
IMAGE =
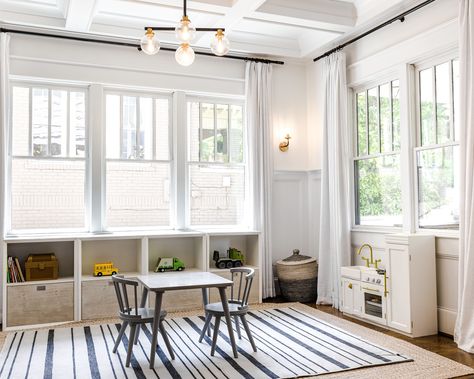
[(285, 144)]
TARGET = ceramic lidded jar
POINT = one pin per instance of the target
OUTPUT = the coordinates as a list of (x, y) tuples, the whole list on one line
[(297, 276)]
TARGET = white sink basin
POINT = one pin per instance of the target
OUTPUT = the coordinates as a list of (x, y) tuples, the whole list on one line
[(354, 272)]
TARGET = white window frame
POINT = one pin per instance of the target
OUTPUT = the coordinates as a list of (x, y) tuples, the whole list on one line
[(50, 85), (426, 64), (217, 100), (387, 77), (121, 92)]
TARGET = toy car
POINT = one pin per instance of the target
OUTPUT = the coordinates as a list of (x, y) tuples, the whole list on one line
[(169, 264), (234, 258), (105, 269)]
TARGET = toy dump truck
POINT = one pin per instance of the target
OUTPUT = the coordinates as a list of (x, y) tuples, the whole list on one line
[(169, 264), (235, 258)]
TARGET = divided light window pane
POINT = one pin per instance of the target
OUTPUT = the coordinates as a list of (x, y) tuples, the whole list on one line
[(216, 163), (138, 161), (377, 166), (438, 155), (48, 193)]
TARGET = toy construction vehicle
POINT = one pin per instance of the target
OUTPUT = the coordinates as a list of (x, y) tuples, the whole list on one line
[(235, 258), (169, 264)]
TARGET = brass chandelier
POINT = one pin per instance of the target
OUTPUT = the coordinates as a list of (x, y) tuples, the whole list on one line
[(185, 33)]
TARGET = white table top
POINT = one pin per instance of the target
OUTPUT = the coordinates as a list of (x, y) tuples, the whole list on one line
[(166, 281)]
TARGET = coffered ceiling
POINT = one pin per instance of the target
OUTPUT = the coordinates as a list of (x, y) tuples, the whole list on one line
[(285, 28)]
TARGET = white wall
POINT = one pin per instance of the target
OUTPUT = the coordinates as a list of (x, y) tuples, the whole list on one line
[(425, 34)]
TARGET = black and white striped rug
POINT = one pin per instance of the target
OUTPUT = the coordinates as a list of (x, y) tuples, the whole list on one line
[(290, 343)]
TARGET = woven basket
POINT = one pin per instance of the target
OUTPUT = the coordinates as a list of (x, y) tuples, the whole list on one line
[(297, 276)]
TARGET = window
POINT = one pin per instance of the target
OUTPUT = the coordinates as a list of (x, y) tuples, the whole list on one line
[(138, 160), (437, 153), (216, 164), (377, 162), (48, 157)]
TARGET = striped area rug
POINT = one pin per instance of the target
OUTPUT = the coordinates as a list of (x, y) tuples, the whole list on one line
[(291, 343)]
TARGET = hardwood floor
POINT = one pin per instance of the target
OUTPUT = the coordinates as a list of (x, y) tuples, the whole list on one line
[(439, 344)]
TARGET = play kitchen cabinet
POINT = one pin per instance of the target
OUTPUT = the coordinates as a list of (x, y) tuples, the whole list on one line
[(400, 293)]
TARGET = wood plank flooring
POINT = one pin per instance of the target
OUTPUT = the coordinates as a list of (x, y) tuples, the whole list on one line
[(439, 344)]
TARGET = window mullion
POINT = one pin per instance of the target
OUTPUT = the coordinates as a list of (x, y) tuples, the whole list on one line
[(451, 102), (68, 127), (30, 111), (229, 120), (367, 120), (392, 138), (49, 123), (137, 128), (121, 126), (435, 105), (215, 132), (153, 130), (379, 119)]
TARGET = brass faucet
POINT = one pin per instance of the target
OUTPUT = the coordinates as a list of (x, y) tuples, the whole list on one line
[(368, 261)]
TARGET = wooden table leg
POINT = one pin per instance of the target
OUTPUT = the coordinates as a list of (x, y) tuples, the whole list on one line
[(205, 301), (156, 324), (225, 307), (144, 295)]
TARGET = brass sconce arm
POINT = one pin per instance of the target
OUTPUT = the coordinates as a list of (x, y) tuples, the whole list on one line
[(284, 145)]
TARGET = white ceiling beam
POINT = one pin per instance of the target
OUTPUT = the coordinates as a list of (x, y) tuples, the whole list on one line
[(328, 15), (80, 14)]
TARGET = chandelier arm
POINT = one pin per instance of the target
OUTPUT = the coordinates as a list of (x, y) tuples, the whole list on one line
[(170, 29)]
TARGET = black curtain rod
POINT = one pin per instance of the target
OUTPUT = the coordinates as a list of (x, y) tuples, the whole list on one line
[(400, 17), (136, 46)]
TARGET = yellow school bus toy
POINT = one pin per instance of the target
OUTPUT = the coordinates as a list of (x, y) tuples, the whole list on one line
[(101, 269)]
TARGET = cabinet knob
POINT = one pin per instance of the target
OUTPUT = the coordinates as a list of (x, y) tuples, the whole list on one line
[(350, 286)]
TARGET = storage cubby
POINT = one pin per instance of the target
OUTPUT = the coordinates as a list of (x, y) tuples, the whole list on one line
[(125, 254), (247, 243), (189, 249), (64, 251)]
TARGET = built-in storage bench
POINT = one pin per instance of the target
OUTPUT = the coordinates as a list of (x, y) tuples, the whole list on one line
[(78, 295)]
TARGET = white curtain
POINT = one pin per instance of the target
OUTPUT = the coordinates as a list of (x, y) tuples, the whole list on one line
[(464, 331), (335, 240), (4, 107), (258, 81)]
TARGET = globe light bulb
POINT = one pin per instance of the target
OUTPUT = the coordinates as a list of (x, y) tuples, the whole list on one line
[(149, 43), (185, 31), (220, 44), (184, 55)]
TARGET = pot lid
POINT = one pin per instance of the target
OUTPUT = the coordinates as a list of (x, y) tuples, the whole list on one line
[(296, 257)]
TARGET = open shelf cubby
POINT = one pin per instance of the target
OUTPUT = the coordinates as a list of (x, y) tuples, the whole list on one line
[(189, 249), (63, 250), (247, 243), (125, 254)]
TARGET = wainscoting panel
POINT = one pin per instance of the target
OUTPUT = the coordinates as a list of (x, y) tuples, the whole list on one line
[(295, 214)]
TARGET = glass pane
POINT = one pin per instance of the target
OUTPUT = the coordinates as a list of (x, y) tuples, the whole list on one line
[(361, 123), (427, 116), (77, 117), (162, 119), (40, 121), (47, 194), (138, 194), (438, 184), (379, 191), (193, 131), (456, 98), (396, 115), (207, 133), (443, 100), (129, 132), (59, 120), (374, 138), (385, 118), (145, 150), (112, 121), (236, 134), (222, 135), (21, 121), (217, 195)]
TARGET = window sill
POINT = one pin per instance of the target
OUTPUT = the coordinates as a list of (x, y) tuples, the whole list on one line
[(438, 233), (376, 229)]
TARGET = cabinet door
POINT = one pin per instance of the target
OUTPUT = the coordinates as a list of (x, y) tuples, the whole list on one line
[(347, 293), (398, 297)]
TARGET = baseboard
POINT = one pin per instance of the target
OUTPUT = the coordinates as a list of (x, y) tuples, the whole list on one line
[(446, 320)]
